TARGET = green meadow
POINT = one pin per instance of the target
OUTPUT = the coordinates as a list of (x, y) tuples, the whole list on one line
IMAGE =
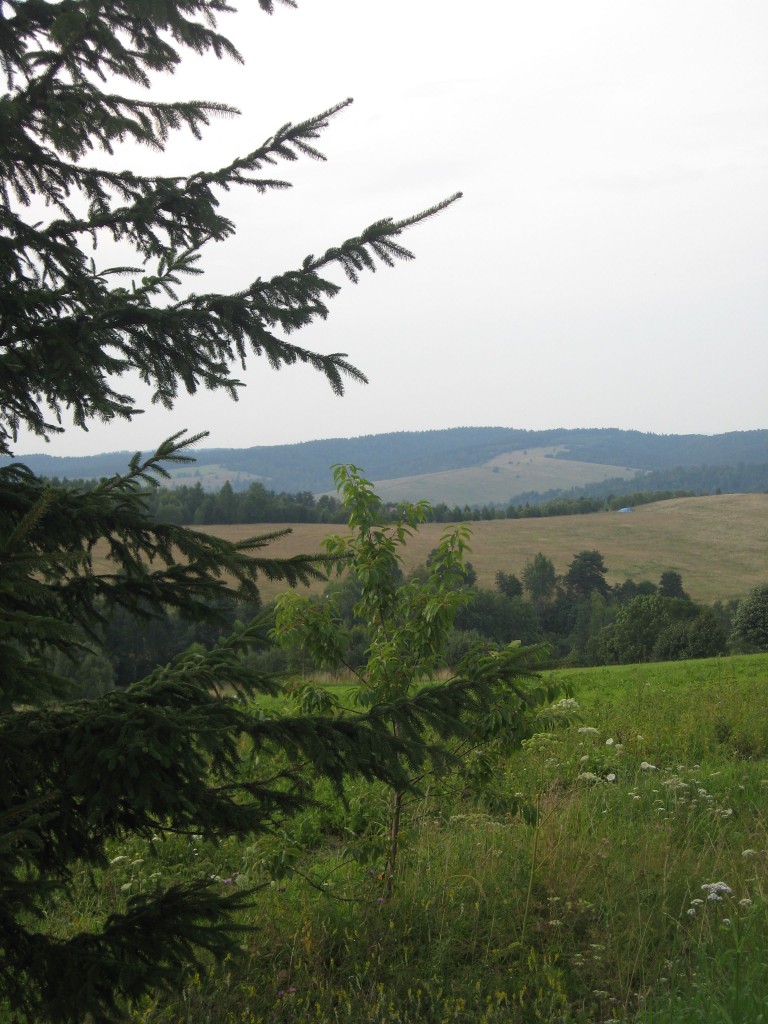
[(613, 870)]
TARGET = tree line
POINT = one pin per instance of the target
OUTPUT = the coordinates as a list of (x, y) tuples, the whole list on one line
[(194, 506), (580, 617)]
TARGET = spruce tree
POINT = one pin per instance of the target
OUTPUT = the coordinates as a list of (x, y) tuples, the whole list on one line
[(165, 754)]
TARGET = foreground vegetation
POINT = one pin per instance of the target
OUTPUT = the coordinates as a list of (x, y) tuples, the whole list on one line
[(615, 870)]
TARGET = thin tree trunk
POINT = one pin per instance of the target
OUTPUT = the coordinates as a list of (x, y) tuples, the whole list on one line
[(394, 835)]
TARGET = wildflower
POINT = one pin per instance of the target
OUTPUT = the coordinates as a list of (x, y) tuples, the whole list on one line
[(675, 783), (691, 912), (645, 766), (744, 853), (118, 860), (716, 890), (611, 776), (588, 730), (727, 922), (609, 742), (567, 704), (587, 777), (746, 902)]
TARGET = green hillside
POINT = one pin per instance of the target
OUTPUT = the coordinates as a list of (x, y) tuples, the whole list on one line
[(408, 454)]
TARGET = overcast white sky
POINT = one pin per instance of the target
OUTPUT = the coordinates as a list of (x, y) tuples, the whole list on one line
[(606, 266)]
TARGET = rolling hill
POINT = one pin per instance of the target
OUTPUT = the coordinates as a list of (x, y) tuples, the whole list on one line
[(718, 543), (472, 465), (532, 470)]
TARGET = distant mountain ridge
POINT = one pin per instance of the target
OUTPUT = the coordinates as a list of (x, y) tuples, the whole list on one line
[(306, 466)]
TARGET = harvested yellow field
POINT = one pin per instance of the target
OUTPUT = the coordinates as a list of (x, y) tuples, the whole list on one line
[(719, 543)]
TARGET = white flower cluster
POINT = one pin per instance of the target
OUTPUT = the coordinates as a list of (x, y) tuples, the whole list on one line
[(567, 704), (716, 890), (591, 777)]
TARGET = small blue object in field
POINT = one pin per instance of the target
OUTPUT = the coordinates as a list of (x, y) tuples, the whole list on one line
[(626, 510)]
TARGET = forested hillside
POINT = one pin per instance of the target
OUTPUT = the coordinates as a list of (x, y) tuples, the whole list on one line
[(305, 467)]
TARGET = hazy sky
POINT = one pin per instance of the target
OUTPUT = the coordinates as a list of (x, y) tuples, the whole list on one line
[(606, 266)]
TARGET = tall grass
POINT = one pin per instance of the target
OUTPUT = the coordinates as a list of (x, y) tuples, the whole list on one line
[(600, 904)]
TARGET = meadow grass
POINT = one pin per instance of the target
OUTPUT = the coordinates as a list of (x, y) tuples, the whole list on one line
[(635, 889), (501, 478)]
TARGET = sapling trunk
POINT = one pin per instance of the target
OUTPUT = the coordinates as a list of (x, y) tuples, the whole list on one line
[(394, 836)]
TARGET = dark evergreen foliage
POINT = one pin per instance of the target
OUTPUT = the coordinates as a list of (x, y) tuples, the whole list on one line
[(671, 585), (586, 575), (508, 584), (164, 755)]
